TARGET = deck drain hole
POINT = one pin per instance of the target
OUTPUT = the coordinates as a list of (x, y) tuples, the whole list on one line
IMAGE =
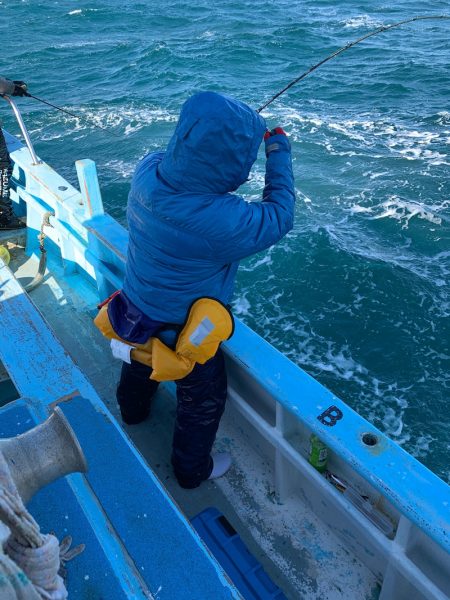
[(369, 439), (62, 188)]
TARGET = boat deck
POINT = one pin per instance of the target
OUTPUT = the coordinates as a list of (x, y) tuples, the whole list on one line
[(299, 552), (134, 541)]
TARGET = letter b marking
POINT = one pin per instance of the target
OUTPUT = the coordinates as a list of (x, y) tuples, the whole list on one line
[(331, 416)]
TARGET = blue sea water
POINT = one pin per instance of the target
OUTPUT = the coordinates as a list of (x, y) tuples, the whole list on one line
[(358, 293)]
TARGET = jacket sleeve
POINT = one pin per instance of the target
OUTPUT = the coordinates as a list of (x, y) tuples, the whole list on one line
[(249, 227)]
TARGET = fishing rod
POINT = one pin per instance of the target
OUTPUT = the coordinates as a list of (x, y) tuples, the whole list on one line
[(343, 49), (71, 114), (278, 94)]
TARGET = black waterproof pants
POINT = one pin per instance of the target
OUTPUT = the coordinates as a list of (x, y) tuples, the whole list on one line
[(200, 404)]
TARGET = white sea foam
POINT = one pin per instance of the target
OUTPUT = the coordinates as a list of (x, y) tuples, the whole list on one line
[(410, 144), (332, 360), (79, 44), (132, 118), (422, 445), (375, 175), (432, 269), (402, 210), (256, 179), (380, 135), (241, 306), (348, 129), (207, 35), (81, 11), (266, 260), (124, 169), (306, 199), (362, 21), (356, 208), (444, 117), (127, 119)]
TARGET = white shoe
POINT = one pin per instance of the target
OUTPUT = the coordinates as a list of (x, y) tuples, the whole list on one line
[(221, 463)]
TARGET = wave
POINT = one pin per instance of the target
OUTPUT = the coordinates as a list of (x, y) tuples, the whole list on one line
[(129, 119), (403, 210), (123, 168), (382, 137), (82, 11), (362, 21), (433, 269)]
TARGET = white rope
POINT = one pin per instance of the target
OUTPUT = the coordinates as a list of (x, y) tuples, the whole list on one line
[(41, 566), (37, 555), (22, 525), (14, 584)]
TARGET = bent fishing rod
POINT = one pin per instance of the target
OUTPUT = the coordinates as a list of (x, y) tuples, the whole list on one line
[(381, 29)]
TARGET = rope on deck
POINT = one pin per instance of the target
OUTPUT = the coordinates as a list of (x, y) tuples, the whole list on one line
[(30, 560)]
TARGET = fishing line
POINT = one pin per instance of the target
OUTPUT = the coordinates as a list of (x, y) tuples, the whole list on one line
[(278, 94), (343, 49), (67, 112)]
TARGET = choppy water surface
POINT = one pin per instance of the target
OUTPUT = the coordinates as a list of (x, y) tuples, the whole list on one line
[(358, 294)]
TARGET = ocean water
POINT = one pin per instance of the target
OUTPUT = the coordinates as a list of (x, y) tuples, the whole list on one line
[(358, 293)]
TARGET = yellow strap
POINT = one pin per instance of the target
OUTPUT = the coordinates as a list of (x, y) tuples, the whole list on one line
[(209, 323), (167, 364)]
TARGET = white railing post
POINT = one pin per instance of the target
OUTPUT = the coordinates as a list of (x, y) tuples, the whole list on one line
[(93, 206), (89, 187)]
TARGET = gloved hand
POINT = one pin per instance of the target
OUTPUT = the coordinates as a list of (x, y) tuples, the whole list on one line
[(276, 131), (20, 88), (273, 145)]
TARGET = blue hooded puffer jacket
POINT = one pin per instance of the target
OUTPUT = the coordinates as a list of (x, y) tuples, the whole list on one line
[(187, 231)]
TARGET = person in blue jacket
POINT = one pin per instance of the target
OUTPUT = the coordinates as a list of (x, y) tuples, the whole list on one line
[(7, 218), (187, 233)]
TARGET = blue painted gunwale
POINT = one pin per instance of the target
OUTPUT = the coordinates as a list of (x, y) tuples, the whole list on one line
[(417, 493)]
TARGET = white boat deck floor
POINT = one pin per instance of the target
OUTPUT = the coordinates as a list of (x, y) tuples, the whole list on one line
[(298, 552)]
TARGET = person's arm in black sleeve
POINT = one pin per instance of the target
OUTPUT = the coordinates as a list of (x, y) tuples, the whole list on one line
[(6, 86), (12, 88), (253, 226)]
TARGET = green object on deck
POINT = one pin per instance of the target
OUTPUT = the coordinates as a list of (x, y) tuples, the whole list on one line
[(4, 255), (318, 453)]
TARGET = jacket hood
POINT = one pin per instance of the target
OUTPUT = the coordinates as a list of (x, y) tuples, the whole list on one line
[(214, 146)]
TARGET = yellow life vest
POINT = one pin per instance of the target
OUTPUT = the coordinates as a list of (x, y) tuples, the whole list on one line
[(208, 324)]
